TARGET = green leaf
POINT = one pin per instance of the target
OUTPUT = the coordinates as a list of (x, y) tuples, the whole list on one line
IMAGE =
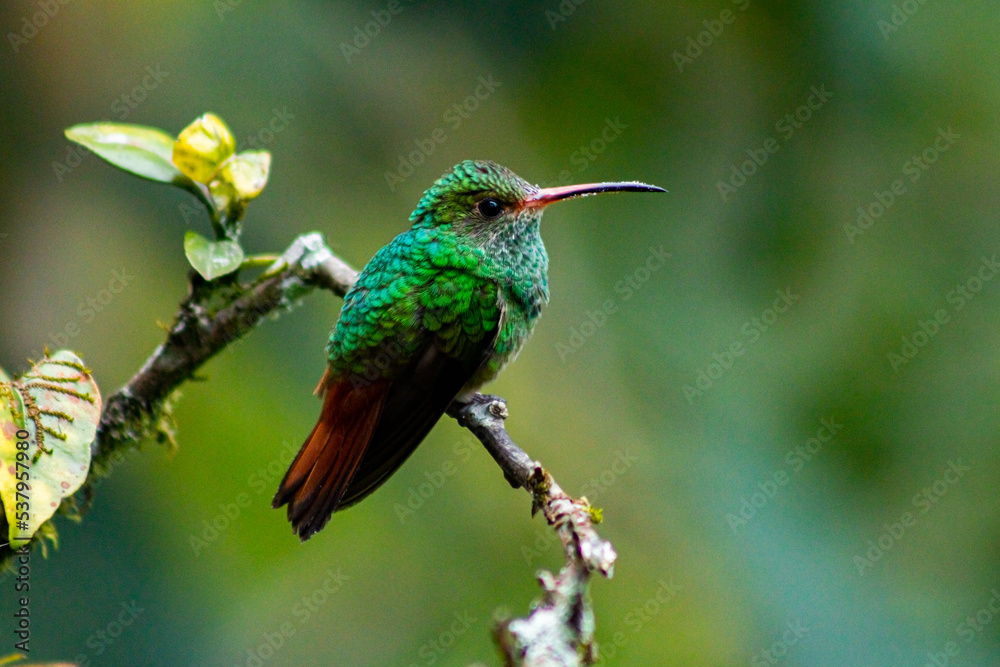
[(65, 408), (143, 151), (212, 258)]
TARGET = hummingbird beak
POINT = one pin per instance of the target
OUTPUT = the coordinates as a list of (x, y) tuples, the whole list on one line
[(547, 196)]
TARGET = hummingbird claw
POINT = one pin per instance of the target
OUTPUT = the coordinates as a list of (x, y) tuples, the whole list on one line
[(498, 409), (459, 408)]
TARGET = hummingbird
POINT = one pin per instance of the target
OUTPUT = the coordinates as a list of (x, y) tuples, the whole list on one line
[(434, 315)]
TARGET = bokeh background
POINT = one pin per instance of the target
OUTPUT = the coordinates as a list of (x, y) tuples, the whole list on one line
[(616, 408)]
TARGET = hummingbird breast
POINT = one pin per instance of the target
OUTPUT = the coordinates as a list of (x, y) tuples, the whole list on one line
[(477, 297), (516, 260)]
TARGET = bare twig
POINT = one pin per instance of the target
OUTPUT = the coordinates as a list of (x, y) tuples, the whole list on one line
[(559, 630)]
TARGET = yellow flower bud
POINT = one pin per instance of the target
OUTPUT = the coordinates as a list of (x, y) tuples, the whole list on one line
[(247, 173), (202, 148)]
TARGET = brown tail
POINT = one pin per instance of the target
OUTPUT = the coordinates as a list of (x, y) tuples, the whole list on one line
[(322, 471)]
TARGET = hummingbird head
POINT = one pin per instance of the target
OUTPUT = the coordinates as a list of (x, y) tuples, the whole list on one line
[(477, 198)]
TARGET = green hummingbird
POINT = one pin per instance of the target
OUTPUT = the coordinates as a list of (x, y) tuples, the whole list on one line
[(434, 315)]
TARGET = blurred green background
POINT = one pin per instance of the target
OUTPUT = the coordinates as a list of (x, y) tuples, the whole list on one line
[(614, 403)]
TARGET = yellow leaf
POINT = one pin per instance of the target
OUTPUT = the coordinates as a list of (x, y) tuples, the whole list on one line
[(202, 147), (247, 173), (48, 457)]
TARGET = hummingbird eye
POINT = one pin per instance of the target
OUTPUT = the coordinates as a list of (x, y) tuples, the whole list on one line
[(490, 208)]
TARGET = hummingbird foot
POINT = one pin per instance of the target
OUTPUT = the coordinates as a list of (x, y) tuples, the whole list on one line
[(460, 409), (486, 413)]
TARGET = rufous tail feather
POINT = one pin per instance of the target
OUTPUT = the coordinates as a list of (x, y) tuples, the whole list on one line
[(322, 471)]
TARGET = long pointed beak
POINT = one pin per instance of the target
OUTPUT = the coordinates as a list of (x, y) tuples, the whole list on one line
[(547, 196)]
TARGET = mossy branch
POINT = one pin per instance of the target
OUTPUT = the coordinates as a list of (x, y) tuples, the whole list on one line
[(215, 314), (203, 328)]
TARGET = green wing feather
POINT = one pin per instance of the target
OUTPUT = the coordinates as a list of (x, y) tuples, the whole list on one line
[(421, 318)]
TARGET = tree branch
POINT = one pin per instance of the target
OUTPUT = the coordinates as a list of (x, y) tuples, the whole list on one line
[(559, 630), (133, 413)]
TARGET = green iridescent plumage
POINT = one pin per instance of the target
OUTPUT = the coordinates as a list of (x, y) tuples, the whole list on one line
[(433, 316), (451, 276)]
